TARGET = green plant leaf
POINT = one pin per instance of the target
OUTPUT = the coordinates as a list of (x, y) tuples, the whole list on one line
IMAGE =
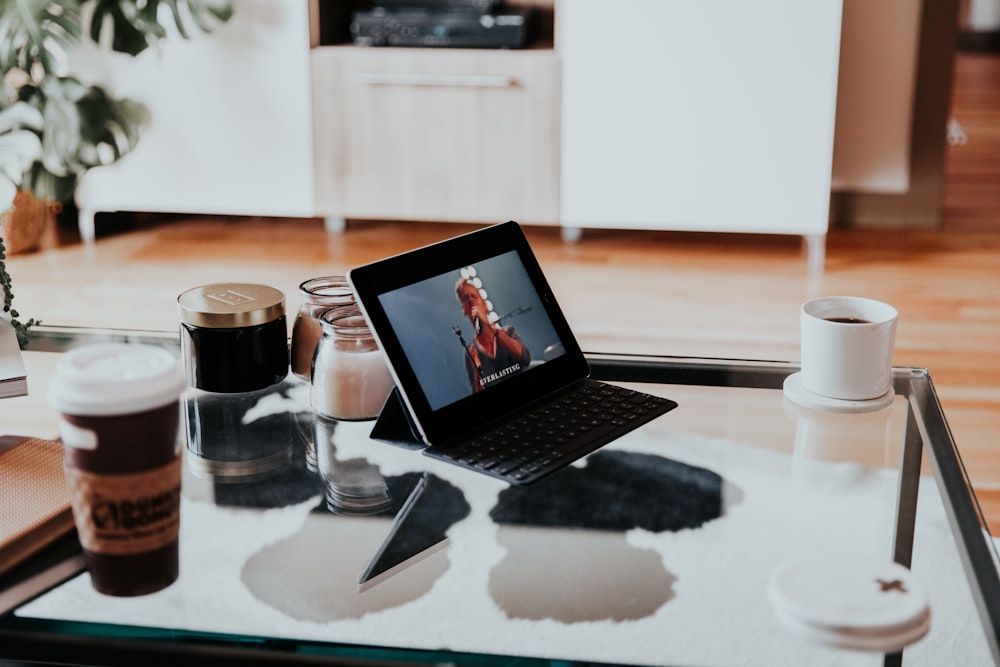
[(20, 146), (129, 34), (18, 116), (134, 25), (49, 186), (21, 329), (61, 139), (18, 149), (84, 127), (109, 128), (38, 34), (8, 190)]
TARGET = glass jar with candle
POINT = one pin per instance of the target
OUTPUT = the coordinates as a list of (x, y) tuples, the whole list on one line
[(318, 295), (350, 378)]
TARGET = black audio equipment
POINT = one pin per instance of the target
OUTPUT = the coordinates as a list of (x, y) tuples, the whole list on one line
[(454, 27), (484, 6)]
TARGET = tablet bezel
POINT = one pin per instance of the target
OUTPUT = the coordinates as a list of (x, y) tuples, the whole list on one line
[(451, 422)]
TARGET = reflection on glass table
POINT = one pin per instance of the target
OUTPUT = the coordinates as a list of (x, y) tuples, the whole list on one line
[(658, 549)]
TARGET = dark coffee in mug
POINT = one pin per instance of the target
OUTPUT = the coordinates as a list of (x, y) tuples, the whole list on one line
[(847, 320), (120, 418)]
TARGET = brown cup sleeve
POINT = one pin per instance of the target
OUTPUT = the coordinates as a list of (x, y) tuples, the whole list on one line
[(126, 514)]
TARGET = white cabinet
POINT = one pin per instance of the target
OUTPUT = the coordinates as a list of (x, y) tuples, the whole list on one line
[(464, 135), (689, 116), (644, 114), (437, 134), (230, 120)]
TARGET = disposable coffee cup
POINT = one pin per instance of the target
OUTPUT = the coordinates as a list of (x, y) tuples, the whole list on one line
[(120, 412), (847, 344)]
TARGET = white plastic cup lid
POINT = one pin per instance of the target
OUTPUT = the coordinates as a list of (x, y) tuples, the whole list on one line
[(852, 602), (115, 378)]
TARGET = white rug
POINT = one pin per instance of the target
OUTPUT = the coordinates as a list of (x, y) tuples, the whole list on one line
[(708, 586)]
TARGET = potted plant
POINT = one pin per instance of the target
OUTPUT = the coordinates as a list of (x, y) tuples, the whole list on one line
[(83, 126), (77, 126), (20, 146)]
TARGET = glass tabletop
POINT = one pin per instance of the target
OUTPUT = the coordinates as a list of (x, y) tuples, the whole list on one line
[(303, 538)]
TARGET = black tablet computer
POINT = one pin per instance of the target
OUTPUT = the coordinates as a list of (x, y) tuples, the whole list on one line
[(474, 337)]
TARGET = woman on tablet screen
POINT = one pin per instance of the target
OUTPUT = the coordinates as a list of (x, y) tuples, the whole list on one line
[(495, 352)]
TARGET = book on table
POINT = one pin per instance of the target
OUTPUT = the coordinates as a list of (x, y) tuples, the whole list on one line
[(35, 507), (13, 376)]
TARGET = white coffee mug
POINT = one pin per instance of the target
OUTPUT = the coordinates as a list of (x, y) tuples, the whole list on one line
[(847, 344)]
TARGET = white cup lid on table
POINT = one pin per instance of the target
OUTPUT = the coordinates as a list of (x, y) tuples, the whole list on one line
[(851, 602)]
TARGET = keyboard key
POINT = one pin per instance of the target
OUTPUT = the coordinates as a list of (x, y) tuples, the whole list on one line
[(536, 443)]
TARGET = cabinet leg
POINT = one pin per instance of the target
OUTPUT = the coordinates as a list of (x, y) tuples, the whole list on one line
[(571, 234), (85, 222), (334, 224), (815, 252)]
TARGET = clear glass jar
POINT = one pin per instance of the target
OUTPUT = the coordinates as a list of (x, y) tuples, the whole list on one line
[(353, 486), (318, 295), (350, 379)]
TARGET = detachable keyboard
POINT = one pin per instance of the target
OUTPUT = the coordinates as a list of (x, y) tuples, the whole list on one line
[(553, 434)]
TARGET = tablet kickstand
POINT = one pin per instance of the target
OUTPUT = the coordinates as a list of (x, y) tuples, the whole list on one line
[(394, 424)]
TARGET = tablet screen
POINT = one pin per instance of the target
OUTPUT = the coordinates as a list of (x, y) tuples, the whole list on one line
[(470, 328), (440, 325)]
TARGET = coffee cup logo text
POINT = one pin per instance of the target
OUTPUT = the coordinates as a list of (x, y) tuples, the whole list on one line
[(135, 518)]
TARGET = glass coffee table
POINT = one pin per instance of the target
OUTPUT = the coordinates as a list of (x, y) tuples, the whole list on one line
[(703, 538)]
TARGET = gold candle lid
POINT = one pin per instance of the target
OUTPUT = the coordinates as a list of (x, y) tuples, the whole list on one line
[(230, 305)]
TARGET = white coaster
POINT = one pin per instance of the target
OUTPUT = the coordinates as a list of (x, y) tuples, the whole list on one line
[(796, 393), (851, 602)]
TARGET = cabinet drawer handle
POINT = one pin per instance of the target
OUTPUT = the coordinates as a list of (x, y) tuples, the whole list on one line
[(461, 81)]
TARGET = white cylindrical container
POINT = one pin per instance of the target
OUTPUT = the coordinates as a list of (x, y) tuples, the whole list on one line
[(350, 378), (847, 344)]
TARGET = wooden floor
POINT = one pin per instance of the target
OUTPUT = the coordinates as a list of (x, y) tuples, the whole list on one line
[(674, 293)]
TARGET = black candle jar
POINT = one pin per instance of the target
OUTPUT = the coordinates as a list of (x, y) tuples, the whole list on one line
[(234, 337)]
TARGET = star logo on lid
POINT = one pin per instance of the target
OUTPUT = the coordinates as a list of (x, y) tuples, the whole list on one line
[(893, 585)]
